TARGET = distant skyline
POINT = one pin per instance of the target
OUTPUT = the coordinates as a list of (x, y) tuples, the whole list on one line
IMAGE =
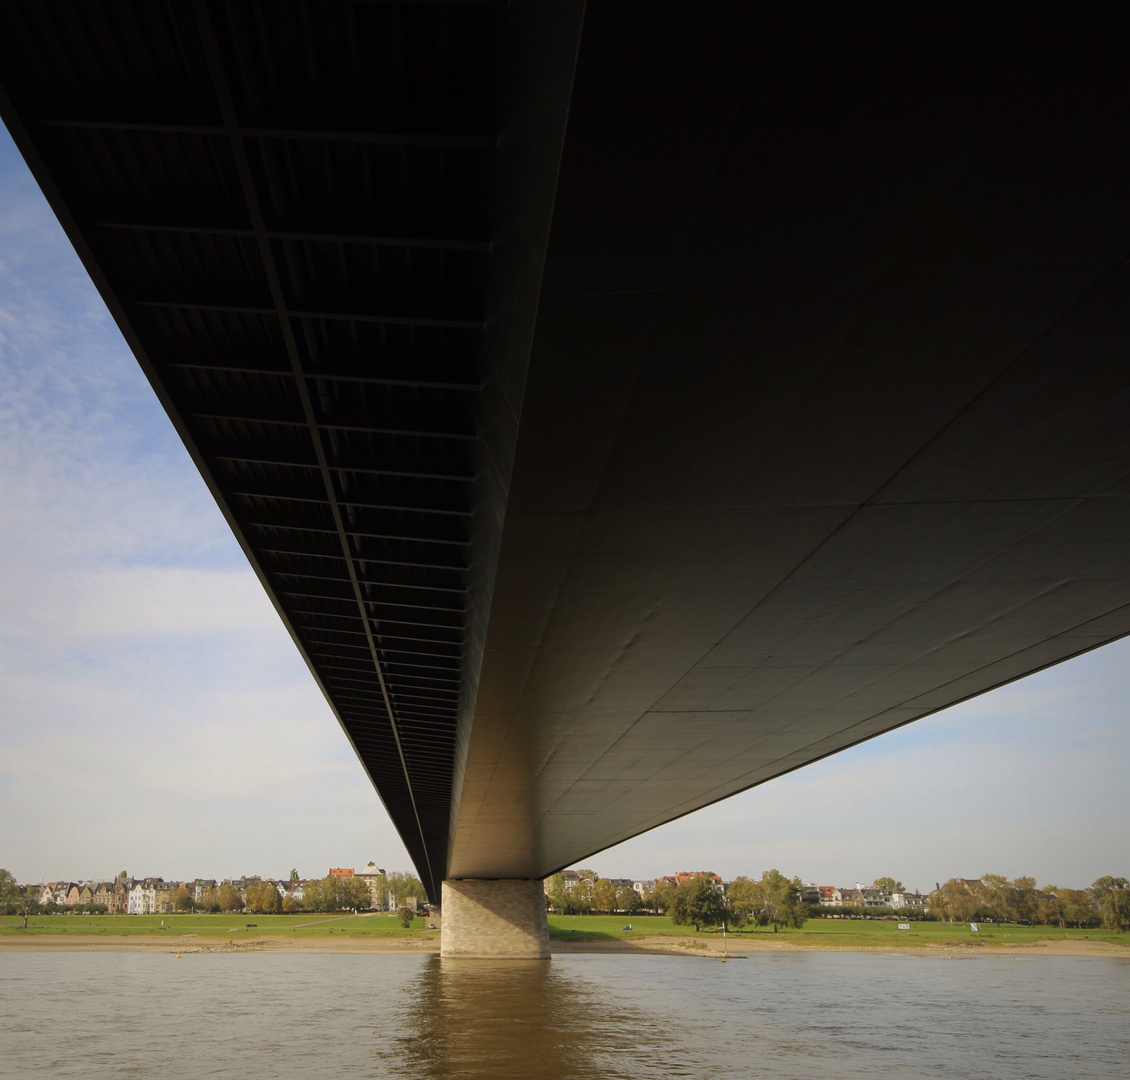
[(155, 716)]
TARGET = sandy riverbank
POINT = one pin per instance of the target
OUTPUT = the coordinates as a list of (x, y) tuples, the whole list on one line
[(191, 944), (710, 948), (195, 943)]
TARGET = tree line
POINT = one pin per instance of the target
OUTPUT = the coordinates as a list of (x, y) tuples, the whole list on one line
[(776, 900), (329, 894), (995, 898), (773, 900)]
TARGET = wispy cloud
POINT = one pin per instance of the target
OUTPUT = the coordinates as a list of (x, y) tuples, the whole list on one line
[(91, 461), (124, 602), (153, 710)]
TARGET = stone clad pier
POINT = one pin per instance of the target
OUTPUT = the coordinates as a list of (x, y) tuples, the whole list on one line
[(501, 919)]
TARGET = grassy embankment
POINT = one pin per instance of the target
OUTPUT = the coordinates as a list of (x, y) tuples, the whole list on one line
[(818, 933), (218, 926), (827, 933)]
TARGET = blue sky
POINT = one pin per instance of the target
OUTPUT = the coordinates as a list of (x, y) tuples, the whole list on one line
[(155, 717)]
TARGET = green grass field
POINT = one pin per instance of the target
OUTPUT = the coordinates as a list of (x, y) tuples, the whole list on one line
[(218, 926), (826, 933)]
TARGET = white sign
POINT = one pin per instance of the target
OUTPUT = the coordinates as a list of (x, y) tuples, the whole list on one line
[(974, 927), (904, 926)]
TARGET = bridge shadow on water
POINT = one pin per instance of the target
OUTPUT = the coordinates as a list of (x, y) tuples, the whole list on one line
[(524, 1018)]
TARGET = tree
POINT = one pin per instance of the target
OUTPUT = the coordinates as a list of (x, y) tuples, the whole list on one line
[(253, 898), (743, 901), (888, 884), (781, 903), (580, 898), (604, 896), (28, 903), (994, 897), (661, 896), (628, 901), (586, 883), (406, 916), (956, 901), (15, 900), (228, 897), (9, 890), (315, 895), (1078, 907), (291, 903), (263, 898), (355, 893), (1023, 904), (557, 896), (183, 899), (335, 894), (938, 905), (403, 886), (1112, 898), (698, 903), (1050, 907)]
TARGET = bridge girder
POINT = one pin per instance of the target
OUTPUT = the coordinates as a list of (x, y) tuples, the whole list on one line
[(621, 406)]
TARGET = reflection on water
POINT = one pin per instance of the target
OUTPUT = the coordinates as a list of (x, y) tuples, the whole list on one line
[(531, 1018), (375, 1017)]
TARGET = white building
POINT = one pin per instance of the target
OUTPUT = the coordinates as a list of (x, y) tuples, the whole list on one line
[(870, 897), (54, 892), (903, 901), (143, 897), (376, 882)]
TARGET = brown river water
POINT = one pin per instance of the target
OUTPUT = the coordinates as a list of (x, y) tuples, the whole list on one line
[(782, 1017)]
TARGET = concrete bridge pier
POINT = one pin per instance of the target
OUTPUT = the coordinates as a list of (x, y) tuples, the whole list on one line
[(494, 919)]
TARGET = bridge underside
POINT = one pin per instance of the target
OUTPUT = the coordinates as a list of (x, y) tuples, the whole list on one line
[(621, 411)]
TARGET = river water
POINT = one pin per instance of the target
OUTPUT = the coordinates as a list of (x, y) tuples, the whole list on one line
[(782, 1017)]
